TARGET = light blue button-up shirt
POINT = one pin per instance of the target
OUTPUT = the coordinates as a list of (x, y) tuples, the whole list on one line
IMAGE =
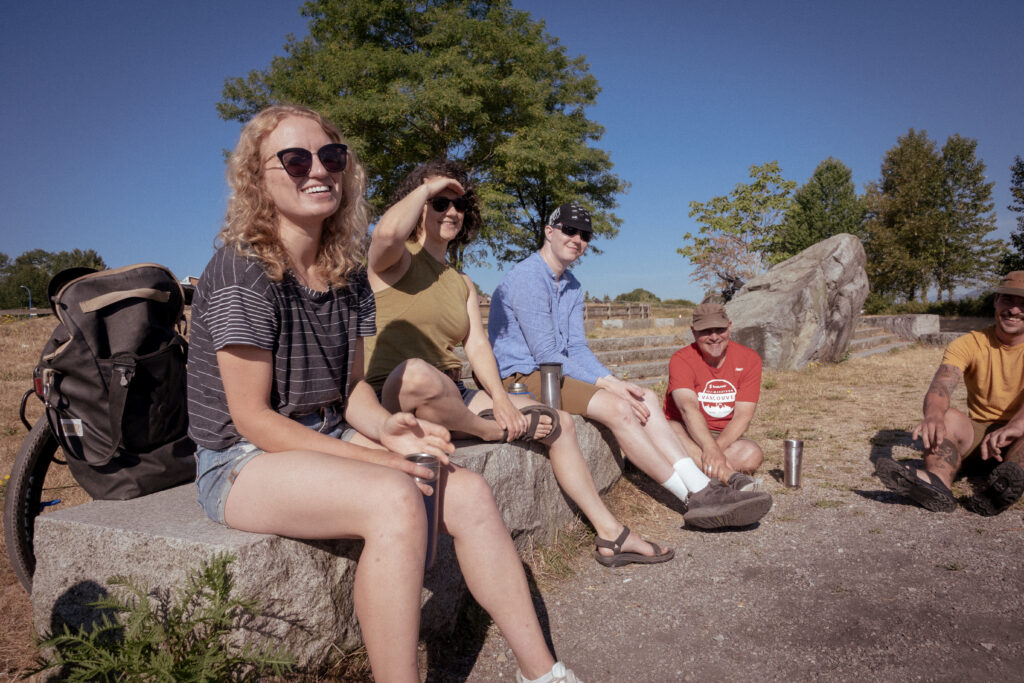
[(537, 317)]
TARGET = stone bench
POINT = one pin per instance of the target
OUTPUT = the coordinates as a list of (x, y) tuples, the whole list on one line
[(306, 586)]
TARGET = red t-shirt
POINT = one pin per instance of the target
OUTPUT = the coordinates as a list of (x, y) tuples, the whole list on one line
[(718, 390)]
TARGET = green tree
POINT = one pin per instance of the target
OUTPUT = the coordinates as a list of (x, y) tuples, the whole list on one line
[(1014, 260), (736, 233), (826, 205), (903, 213), (638, 295), (33, 269), (473, 80), (962, 256)]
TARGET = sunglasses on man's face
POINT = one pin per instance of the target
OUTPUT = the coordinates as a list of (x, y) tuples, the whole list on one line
[(585, 235), (440, 204), (298, 162)]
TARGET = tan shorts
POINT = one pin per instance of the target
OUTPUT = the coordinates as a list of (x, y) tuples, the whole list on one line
[(575, 394), (980, 430)]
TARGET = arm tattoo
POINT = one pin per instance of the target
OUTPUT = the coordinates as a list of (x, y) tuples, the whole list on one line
[(944, 382)]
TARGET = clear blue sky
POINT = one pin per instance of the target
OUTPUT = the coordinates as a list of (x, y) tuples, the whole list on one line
[(112, 141)]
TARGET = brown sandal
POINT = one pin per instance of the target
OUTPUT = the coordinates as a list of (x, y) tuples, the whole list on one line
[(534, 412), (618, 558)]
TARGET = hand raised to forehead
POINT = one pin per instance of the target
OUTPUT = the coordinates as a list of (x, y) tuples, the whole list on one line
[(438, 184)]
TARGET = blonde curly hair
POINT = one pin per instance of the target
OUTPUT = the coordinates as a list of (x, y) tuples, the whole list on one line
[(251, 222)]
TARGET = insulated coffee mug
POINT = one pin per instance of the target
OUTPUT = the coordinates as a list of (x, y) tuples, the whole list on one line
[(434, 465), (792, 459), (551, 385)]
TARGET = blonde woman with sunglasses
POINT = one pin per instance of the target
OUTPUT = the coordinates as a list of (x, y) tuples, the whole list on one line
[(291, 440)]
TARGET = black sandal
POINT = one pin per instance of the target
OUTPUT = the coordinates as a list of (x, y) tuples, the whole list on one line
[(932, 495), (618, 558)]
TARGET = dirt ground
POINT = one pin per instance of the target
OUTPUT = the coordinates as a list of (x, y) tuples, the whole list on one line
[(841, 580)]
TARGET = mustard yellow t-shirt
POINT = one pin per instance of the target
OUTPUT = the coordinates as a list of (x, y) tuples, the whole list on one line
[(422, 316), (993, 373)]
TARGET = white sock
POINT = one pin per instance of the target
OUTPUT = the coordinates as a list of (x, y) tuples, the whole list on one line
[(687, 470), (558, 669), (676, 486)]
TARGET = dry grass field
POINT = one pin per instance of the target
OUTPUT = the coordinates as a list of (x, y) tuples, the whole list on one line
[(840, 411)]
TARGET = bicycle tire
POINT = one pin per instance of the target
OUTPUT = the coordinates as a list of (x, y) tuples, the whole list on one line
[(24, 493)]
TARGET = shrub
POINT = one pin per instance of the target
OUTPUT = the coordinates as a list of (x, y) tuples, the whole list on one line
[(977, 306), (187, 639)]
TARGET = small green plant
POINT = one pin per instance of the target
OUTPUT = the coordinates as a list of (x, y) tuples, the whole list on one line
[(151, 638), (3, 485)]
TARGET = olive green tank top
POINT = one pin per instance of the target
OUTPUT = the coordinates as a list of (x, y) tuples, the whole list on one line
[(423, 315)]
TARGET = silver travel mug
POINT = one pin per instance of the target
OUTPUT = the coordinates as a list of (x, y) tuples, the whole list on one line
[(434, 465), (792, 459), (551, 385)]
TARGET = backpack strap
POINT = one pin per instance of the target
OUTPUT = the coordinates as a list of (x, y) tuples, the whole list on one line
[(98, 302), (117, 397)]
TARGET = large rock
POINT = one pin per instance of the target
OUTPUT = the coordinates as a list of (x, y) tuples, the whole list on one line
[(306, 585), (805, 308)]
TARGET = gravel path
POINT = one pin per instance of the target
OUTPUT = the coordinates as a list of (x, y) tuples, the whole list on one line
[(840, 585)]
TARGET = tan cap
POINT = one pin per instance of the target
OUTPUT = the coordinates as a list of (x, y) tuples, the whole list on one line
[(1012, 283), (707, 316)]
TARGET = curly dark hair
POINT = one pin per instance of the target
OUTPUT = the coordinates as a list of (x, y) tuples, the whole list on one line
[(445, 168)]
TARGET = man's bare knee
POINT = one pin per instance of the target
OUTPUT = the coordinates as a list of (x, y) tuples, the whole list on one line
[(745, 456)]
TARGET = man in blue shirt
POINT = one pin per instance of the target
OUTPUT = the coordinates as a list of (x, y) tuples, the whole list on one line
[(537, 317)]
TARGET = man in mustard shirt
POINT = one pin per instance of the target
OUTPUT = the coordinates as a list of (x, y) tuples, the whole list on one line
[(991, 362)]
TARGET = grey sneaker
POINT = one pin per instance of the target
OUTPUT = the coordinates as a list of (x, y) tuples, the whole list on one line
[(716, 506), (1004, 488), (745, 482), (559, 674)]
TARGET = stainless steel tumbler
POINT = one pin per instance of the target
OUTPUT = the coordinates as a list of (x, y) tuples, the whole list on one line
[(434, 465), (792, 459), (551, 385)]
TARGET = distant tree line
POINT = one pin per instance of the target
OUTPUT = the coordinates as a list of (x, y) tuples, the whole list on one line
[(32, 272), (924, 223)]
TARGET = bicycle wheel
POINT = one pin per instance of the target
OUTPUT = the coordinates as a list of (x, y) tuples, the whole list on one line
[(24, 493)]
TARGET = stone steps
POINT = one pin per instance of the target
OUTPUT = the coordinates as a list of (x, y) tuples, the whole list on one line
[(869, 339)]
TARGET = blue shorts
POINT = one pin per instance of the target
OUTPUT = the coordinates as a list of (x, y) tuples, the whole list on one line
[(216, 470)]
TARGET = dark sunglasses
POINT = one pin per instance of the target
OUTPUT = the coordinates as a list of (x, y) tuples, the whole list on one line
[(585, 235), (440, 204), (298, 162)]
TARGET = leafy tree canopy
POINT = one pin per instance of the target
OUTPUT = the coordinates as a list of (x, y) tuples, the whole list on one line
[(735, 237), (1014, 260), (473, 80), (928, 216), (638, 295), (826, 205), (33, 270)]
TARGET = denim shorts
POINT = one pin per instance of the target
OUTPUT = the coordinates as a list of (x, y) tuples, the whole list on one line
[(216, 470)]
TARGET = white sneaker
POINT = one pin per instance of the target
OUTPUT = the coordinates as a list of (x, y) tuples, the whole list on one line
[(558, 674)]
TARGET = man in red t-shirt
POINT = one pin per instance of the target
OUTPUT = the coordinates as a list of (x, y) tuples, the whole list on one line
[(713, 387)]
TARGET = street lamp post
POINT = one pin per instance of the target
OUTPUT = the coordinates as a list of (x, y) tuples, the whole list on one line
[(31, 315)]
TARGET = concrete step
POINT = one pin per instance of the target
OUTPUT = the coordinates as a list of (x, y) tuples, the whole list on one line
[(885, 348), (636, 354), (870, 342), (618, 343), (862, 331), (641, 370)]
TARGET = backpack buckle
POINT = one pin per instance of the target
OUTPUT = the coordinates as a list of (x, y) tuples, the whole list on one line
[(42, 382), (126, 370)]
